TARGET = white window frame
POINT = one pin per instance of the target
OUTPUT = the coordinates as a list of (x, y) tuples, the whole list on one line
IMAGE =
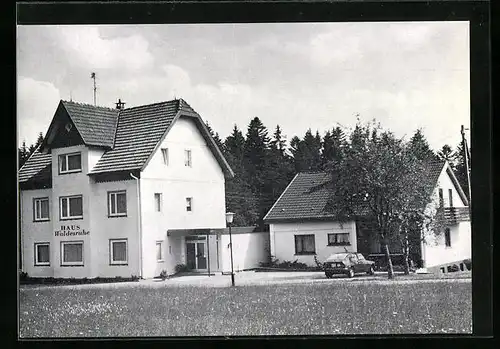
[(69, 217), (64, 157), (158, 204), (37, 209), (188, 158), (72, 264), (164, 154), (111, 256), (189, 204), (37, 262), (112, 195), (162, 255)]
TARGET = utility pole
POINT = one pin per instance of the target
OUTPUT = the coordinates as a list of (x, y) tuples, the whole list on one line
[(466, 157), (92, 76)]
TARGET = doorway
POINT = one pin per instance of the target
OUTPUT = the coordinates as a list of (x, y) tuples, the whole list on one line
[(196, 248)]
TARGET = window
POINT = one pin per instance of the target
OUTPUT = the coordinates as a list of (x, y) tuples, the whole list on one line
[(304, 244), (159, 251), (40, 209), (441, 200), (118, 251), (117, 203), (158, 202), (338, 239), (164, 153), (69, 163), (72, 253), (450, 197), (447, 237), (71, 207), (187, 158), (189, 202), (42, 254)]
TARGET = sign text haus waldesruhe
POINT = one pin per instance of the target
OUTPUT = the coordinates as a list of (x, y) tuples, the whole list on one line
[(71, 230)]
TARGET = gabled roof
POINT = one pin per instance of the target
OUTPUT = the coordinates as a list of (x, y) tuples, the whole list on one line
[(37, 167), (138, 132), (130, 135), (301, 200), (96, 125), (305, 199)]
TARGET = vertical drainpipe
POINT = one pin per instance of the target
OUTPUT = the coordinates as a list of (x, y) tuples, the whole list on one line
[(208, 251), (139, 223)]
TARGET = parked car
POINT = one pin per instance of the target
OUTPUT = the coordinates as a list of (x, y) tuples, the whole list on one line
[(348, 263)]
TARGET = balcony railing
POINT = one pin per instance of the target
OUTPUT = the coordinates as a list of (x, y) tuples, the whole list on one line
[(455, 215)]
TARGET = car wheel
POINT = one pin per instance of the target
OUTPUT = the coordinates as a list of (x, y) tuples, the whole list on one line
[(371, 271), (350, 273), (329, 275)]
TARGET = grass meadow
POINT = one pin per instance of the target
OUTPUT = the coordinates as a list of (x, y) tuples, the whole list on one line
[(321, 309)]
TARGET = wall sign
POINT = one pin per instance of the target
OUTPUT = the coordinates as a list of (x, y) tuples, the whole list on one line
[(71, 230)]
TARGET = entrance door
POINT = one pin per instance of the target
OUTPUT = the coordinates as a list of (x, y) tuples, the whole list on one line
[(196, 258)]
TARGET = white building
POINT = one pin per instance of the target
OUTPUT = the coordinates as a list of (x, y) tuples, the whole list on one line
[(301, 229), (122, 192)]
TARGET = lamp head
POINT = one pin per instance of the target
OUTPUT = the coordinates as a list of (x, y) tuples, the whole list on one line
[(229, 217)]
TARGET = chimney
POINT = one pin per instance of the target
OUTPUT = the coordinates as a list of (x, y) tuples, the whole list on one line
[(120, 105)]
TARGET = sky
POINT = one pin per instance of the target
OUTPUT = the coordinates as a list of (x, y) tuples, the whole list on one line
[(405, 75)]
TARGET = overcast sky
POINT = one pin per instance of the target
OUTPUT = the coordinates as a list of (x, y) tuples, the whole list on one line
[(406, 75)]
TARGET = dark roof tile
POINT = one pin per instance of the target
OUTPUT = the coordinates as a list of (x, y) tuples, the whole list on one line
[(306, 198), (138, 132), (96, 125), (37, 167)]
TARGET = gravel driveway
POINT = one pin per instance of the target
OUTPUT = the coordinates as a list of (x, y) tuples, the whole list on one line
[(247, 278)]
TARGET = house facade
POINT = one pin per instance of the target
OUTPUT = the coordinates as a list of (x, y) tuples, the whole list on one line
[(122, 192), (301, 229)]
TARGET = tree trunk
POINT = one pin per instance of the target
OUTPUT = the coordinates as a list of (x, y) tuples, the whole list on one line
[(390, 270), (406, 252)]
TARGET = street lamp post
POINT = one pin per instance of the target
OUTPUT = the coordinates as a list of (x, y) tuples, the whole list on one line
[(229, 221)]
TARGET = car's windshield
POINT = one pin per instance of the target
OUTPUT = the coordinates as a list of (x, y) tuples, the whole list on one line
[(360, 256), (338, 256)]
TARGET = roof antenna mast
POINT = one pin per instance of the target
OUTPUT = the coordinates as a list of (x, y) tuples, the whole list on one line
[(92, 76)]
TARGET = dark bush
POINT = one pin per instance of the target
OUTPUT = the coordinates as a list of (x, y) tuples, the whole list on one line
[(23, 276), (163, 274), (468, 264), (181, 268)]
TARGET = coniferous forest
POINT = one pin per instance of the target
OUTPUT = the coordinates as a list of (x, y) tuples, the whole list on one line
[(264, 162)]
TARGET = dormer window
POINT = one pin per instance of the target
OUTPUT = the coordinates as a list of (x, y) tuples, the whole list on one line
[(69, 163)]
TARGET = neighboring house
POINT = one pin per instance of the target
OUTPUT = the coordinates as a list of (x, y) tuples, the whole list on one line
[(121, 192), (300, 227)]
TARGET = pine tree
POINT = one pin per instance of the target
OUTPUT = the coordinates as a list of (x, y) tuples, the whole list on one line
[(255, 151), (23, 154), (215, 136), (446, 153), (420, 147), (235, 143), (277, 173), (461, 169), (334, 144)]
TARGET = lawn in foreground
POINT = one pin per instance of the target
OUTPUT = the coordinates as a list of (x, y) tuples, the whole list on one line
[(343, 308)]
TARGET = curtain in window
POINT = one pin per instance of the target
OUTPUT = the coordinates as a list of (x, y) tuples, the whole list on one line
[(158, 251), (121, 203), (119, 251), (73, 253), (64, 203), (44, 209), (43, 253), (74, 162), (75, 206), (304, 244)]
